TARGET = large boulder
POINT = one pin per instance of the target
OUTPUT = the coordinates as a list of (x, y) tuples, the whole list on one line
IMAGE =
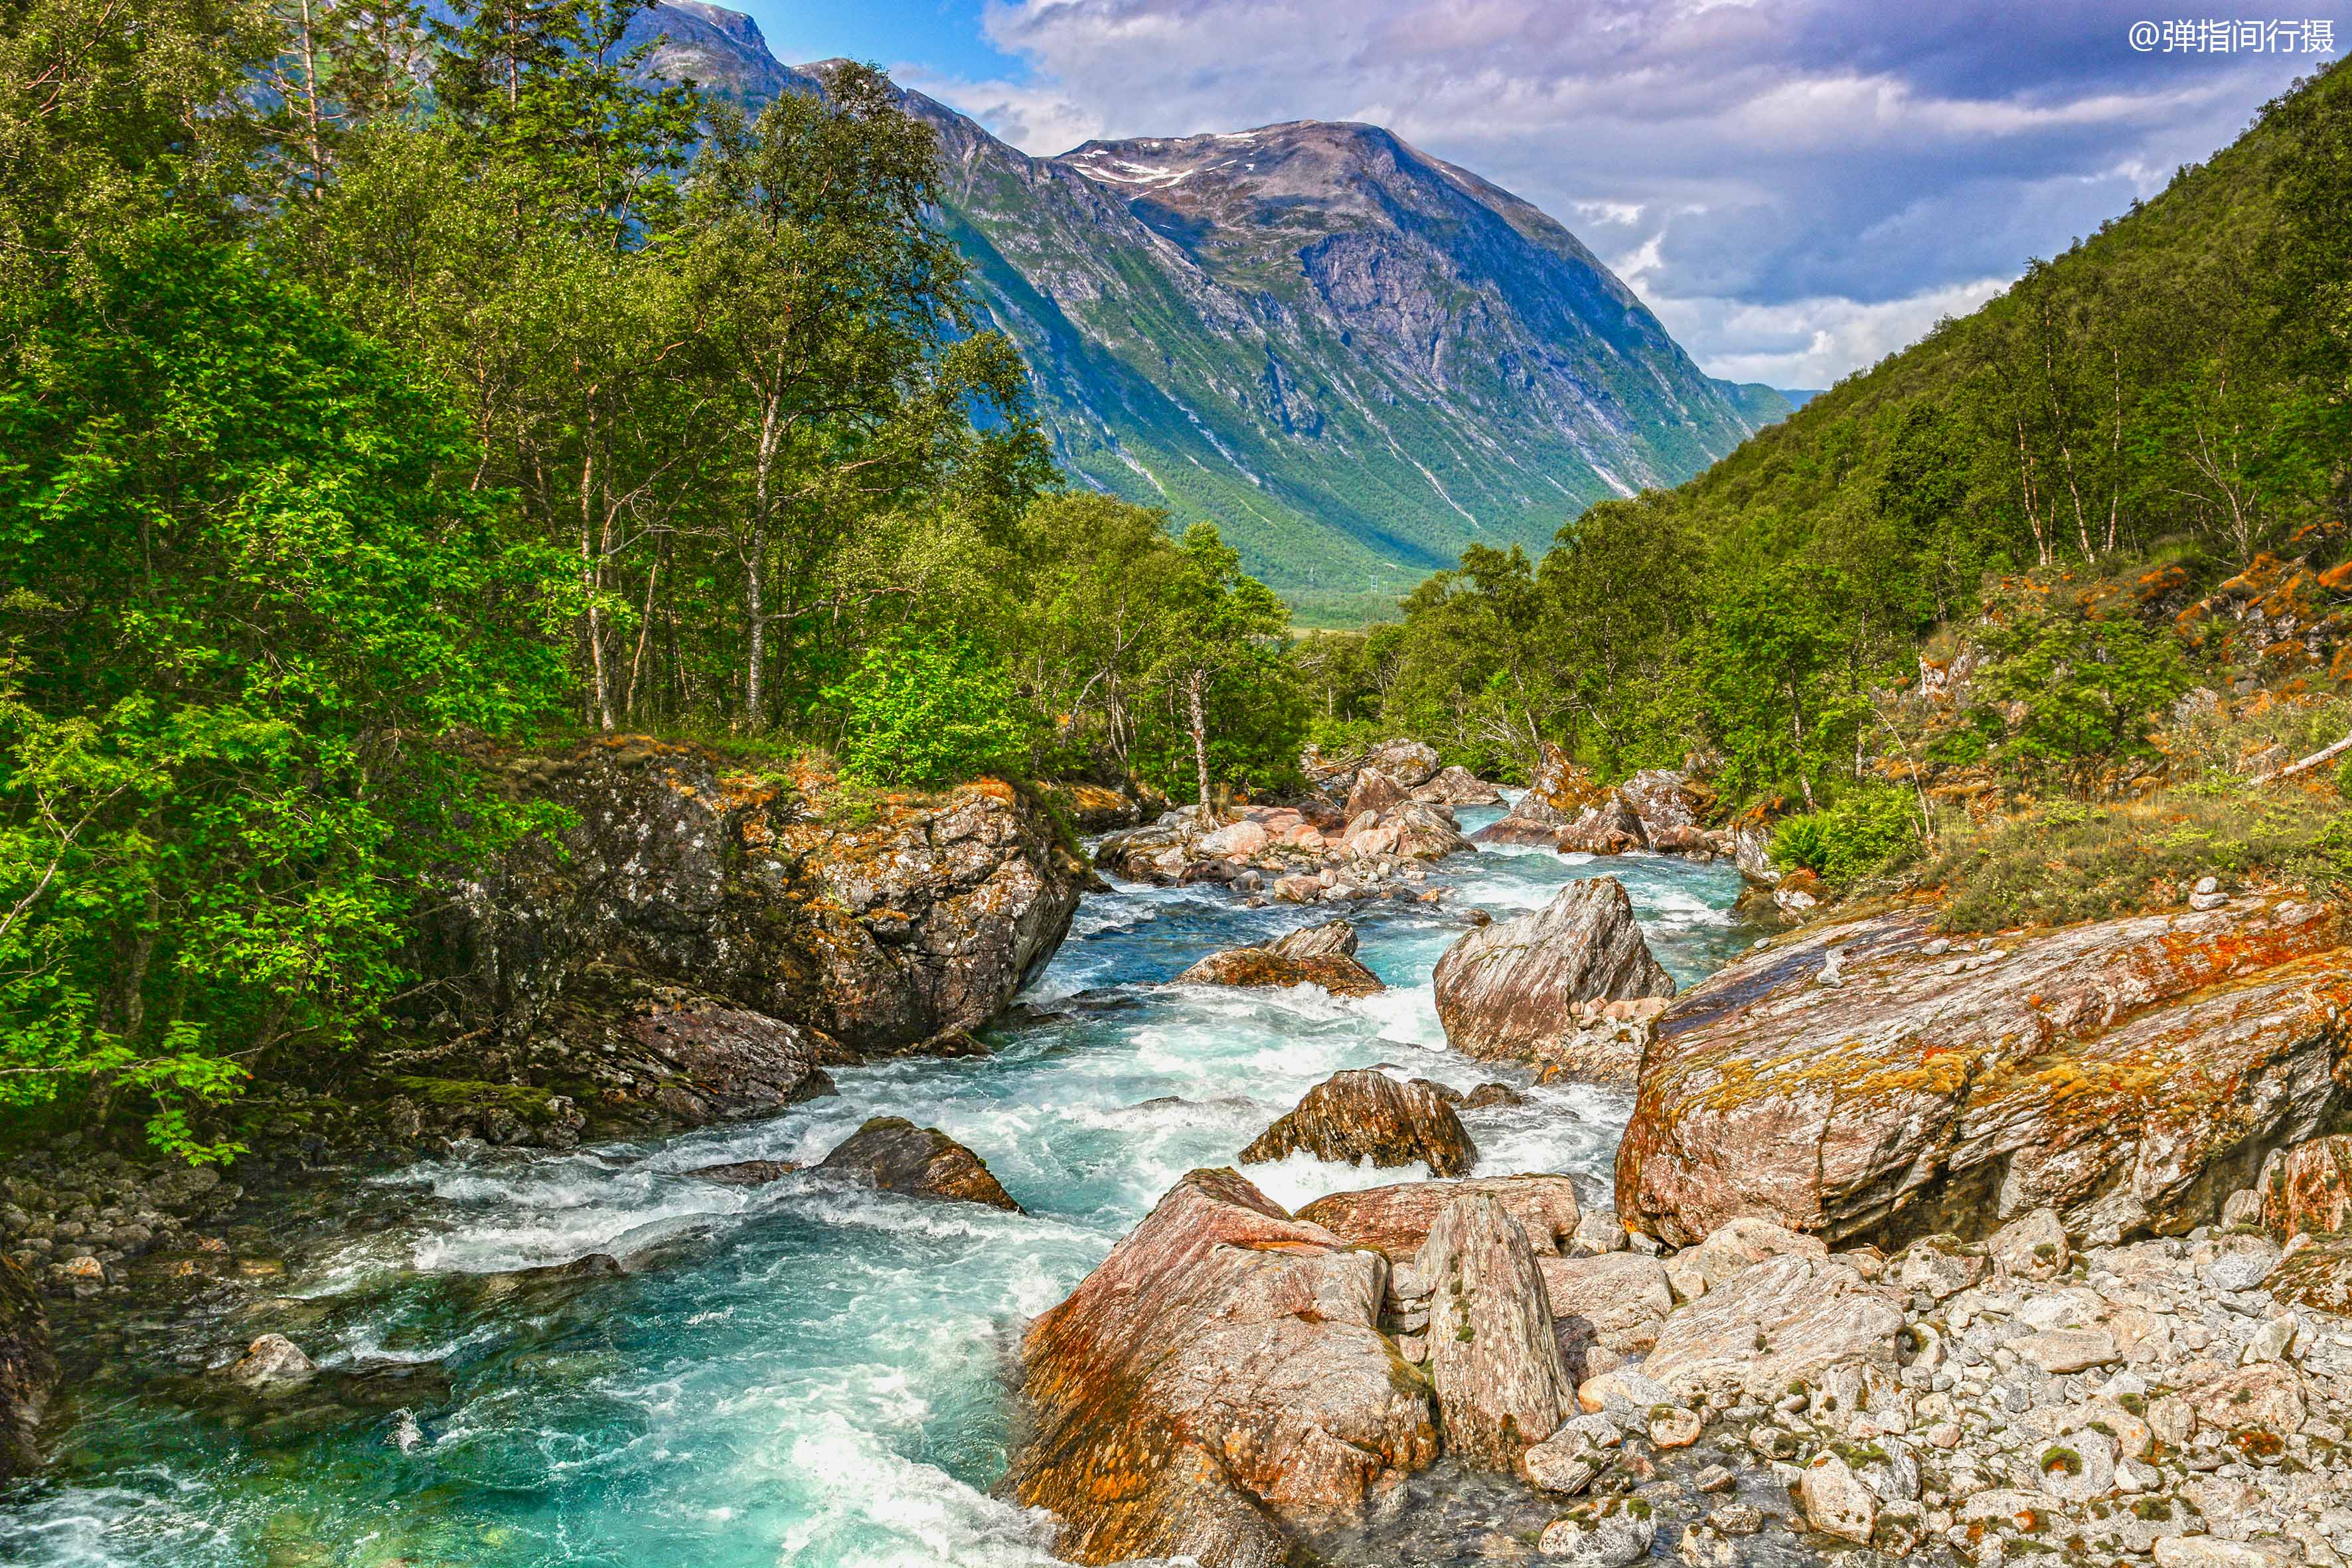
[(1322, 955), (1216, 1386), (2128, 1074), (29, 1371), (2308, 1188), (1397, 1219), (1501, 1385), (1374, 792), (1782, 1322), (682, 869), (1365, 1114), (1458, 786), (1510, 991), (1609, 825), (894, 1154), (1666, 802), (1616, 1300)]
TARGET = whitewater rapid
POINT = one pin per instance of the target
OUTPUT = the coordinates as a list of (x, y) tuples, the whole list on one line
[(805, 1374)]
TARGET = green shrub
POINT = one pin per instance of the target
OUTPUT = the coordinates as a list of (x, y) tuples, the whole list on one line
[(2091, 685), (1864, 832), (924, 713)]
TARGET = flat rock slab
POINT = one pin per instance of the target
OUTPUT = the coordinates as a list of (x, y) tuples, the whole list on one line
[(1263, 968), (2125, 1073), (1397, 1219), (1785, 1321), (894, 1154), (1364, 1114), (1215, 1385)]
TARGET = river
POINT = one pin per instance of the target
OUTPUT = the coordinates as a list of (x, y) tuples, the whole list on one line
[(800, 1374)]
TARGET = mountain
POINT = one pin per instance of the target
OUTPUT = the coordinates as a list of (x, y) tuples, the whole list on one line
[(1356, 358)]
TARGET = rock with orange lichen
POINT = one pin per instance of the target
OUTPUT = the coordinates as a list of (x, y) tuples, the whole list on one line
[(1216, 1388), (2308, 1188), (2278, 615), (2130, 1074), (1322, 955), (721, 918)]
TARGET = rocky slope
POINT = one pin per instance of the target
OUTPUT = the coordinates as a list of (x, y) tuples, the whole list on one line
[(1354, 357)]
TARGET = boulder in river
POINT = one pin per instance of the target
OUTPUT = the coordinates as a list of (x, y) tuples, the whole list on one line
[(745, 1173), (2130, 1074), (28, 1370), (1501, 1385), (273, 1361), (1321, 955), (1609, 825), (1397, 1219), (1365, 1114), (1215, 1386), (1374, 792), (894, 1154), (1511, 990)]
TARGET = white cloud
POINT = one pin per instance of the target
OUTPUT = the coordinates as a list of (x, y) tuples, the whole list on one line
[(1796, 188)]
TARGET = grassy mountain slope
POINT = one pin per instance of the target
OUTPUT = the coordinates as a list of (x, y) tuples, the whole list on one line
[(1355, 358)]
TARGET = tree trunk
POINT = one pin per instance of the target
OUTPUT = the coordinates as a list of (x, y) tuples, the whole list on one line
[(754, 609), (1194, 682), (592, 577)]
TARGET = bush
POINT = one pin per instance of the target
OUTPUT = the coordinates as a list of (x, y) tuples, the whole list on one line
[(924, 713), (1864, 832), (2091, 685)]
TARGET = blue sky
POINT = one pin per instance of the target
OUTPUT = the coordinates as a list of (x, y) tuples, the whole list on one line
[(1797, 187)]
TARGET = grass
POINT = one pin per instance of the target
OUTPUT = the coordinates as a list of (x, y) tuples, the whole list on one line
[(2065, 861)]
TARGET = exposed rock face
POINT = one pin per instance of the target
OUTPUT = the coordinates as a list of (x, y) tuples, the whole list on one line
[(1616, 1300), (1321, 955), (1397, 1219), (1216, 1383), (29, 1372), (1667, 804), (2308, 1187), (1608, 826), (894, 1154), (1363, 1114), (712, 911), (2125, 1073), (681, 868), (1501, 1387), (1510, 990)]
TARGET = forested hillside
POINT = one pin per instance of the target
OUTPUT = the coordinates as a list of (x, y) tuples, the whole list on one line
[(377, 394), (2015, 545)]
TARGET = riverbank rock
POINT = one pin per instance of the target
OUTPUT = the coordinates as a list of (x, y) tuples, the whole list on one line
[(29, 1371), (713, 920), (1407, 762), (1772, 1325), (1501, 1387), (1458, 786), (1099, 808), (1365, 1114), (2127, 1074), (1215, 1386), (1396, 1220), (1511, 990), (894, 1154), (1322, 955)]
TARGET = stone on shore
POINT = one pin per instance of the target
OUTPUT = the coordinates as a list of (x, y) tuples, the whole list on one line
[(1501, 1385), (894, 1154), (1365, 1114), (1513, 990), (1217, 1383), (1781, 1322)]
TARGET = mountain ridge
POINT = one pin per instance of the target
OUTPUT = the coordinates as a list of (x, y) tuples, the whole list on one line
[(1355, 357)]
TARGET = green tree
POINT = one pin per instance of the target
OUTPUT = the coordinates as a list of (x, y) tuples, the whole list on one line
[(1221, 649), (927, 713)]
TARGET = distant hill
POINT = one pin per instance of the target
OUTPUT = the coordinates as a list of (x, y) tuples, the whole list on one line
[(1356, 358)]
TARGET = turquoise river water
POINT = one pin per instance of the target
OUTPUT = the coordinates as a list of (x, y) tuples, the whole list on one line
[(801, 1375)]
